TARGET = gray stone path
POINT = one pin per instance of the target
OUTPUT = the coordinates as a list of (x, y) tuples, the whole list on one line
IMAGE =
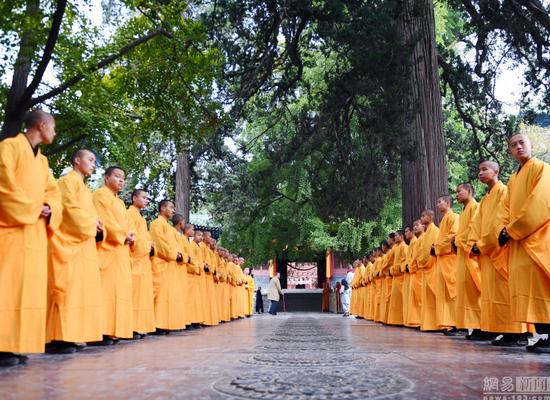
[(290, 356)]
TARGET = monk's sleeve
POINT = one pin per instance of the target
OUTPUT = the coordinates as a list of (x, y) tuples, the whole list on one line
[(77, 221), (115, 232), (142, 243), (162, 243), (17, 208), (52, 197), (535, 211), (443, 246)]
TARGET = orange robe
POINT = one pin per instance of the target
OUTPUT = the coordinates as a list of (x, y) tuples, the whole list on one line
[(74, 283), (445, 271), (193, 306), (26, 183), (426, 268), (114, 265), (395, 313), (385, 296), (412, 287), (378, 288), (169, 277), (527, 221), (468, 274), (366, 289), (223, 293), (142, 276), (496, 310), (211, 305)]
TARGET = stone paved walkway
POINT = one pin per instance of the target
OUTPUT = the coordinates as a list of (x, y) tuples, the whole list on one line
[(291, 356)]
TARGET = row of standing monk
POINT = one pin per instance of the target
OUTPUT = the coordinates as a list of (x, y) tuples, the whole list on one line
[(78, 267), (486, 270)]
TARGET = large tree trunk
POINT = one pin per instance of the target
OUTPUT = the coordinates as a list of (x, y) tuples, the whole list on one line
[(183, 185), (14, 111), (424, 176)]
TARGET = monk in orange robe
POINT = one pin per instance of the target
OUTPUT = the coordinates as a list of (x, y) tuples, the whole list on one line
[(222, 283), (366, 286), (142, 277), (114, 258), (527, 230), (355, 285), (194, 304), (395, 312), (387, 281), (412, 297), (168, 270), (378, 279), (468, 273), (445, 267), (211, 303), (30, 208), (496, 310), (197, 254), (372, 288), (426, 266), (250, 290), (74, 283)]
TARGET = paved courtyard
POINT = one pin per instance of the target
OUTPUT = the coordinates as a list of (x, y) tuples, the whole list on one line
[(290, 356)]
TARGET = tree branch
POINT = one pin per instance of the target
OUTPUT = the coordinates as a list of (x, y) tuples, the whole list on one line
[(103, 63), (53, 35)]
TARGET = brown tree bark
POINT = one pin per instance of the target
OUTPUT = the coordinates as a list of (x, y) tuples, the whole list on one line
[(424, 175), (183, 185)]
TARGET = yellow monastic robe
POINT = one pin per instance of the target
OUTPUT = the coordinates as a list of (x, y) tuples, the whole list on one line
[(233, 289), (378, 288), (211, 305), (169, 277), (445, 271), (250, 288), (496, 310), (362, 291), (426, 268), (386, 285), (412, 287), (142, 276), (26, 183), (224, 290), (395, 312), (355, 294), (74, 283), (240, 290), (468, 274), (203, 299), (114, 265), (366, 289), (372, 293), (527, 221), (194, 270)]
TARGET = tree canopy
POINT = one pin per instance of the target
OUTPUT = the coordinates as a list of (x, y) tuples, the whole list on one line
[(296, 115)]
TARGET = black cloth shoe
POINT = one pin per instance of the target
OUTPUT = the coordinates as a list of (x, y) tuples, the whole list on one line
[(60, 347), (510, 340), (453, 332), (107, 341), (480, 336), (541, 346), (160, 332), (9, 359), (22, 359)]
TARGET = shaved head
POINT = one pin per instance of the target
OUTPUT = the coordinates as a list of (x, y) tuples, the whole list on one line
[(35, 117), (491, 165), (79, 154)]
